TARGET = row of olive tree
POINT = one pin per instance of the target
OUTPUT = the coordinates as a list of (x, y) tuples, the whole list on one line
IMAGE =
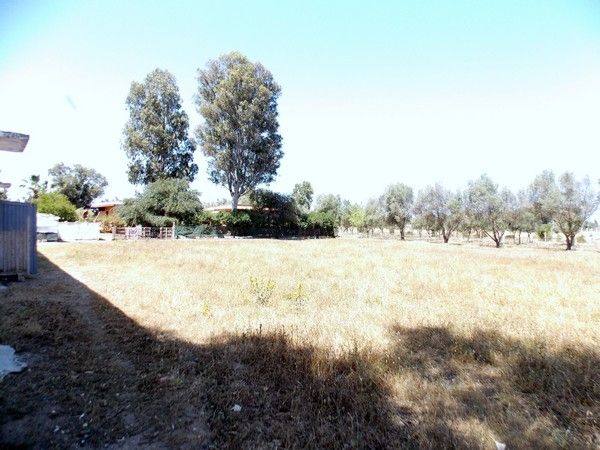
[(564, 202)]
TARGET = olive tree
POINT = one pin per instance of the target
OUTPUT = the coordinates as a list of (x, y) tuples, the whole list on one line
[(397, 201), (440, 210), (571, 202), (375, 214), (237, 99), (523, 217), (488, 207)]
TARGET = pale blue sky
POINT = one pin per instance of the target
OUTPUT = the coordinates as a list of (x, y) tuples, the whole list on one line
[(372, 92)]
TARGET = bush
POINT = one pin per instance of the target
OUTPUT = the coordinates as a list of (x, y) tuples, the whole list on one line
[(192, 232), (544, 231), (581, 239), (111, 220), (56, 204), (162, 204), (320, 223)]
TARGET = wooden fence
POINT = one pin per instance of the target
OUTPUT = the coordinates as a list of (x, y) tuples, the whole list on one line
[(139, 232), (17, 239)]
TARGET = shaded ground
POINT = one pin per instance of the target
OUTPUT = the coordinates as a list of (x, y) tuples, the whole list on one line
[(98, 379), (95, 377)]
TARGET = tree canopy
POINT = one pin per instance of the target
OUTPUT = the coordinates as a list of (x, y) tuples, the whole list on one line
[(57, 204), (35, 186), (488, 208), (330, 204), (79, 184), (303, 196), (397, 201), (163, 203), (238, 102), (155, 137), (440, 209), (568, 201)]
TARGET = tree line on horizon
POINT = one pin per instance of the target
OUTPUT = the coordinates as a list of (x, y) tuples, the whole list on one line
[(237, 100), (548, 204)]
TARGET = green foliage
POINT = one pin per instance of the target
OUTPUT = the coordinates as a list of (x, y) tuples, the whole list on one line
[(567, 201), (155, 138), (397, 201), (57, 204), (319, 223), (375, 214), (303, 196), (238, 101), (357, 217), (35, 186), (163, 203), (439, 210), (237, 222), (261, 289), (332, 205), (80, 184), (489, 208), (197, 231), (279, 210), (298, 295), (539, 194), (581, 239), (111, 220), (544, 231)]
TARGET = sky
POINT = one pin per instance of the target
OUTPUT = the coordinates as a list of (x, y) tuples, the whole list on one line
[(373, 93)]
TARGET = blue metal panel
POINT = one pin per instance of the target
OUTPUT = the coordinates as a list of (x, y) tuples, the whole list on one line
[(18, 242)]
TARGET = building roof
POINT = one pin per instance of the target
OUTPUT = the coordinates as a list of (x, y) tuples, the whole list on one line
[(105, 204), (13, 142), (228, 208)]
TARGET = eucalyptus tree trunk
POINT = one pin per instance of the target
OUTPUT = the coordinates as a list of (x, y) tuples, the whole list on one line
[(235, 198)]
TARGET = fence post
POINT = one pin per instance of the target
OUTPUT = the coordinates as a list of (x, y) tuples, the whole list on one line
[(173, 231), (114, 232)]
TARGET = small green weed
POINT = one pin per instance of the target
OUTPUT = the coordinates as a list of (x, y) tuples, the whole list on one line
[(298, 294), (262, 289)]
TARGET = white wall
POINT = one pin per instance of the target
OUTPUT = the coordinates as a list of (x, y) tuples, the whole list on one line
[(74, 231)]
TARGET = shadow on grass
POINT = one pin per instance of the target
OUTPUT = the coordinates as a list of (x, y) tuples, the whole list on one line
[(97, 377)]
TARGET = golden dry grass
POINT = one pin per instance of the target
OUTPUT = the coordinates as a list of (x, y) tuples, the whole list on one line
[(366, 343), (352, 291)]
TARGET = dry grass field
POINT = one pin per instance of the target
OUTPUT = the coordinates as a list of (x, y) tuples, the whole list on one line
[(323, 344)]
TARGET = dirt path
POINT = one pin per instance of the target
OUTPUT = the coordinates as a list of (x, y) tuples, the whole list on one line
[(96, 379)]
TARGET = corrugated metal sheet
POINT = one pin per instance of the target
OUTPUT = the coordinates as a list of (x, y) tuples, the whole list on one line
[(17, 238)]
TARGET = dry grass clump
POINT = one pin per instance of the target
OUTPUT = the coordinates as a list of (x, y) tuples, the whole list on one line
[(340, 343)]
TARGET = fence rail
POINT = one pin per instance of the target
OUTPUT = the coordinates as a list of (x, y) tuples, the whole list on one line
[(139, 232), (17, 238)]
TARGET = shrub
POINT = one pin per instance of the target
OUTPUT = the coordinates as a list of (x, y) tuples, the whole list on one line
[(262, 289), (111, 220), (544, 231), (298, 294), (56, 204), (163, 203), (319, 223), (581, 239)]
